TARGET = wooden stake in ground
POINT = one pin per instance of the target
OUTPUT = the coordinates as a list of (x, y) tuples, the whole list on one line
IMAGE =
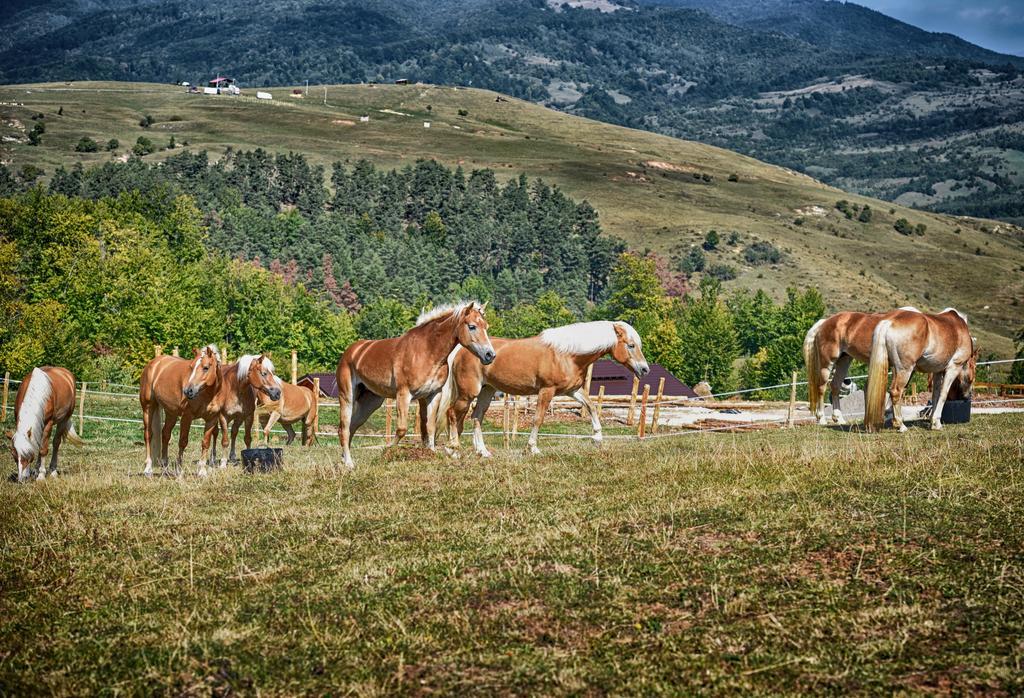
[(791, 414), (81, 411), (600, 401), (515, 417), (586, 384), (174, 352), (316, 400), (641, 428), (158, 350), (505, 422), (657, 405), (295, 367), (387, 422), (632, 402), (7, 389)]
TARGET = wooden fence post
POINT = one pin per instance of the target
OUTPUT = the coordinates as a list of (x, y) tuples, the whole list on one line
[(505, 421), (174, 352), (158, 350), (515, 416), (657, 405), (586, 384), (388, 404), (642, 425), (791, 413), (295, 367), (600, 401), (7, 388), (224, 354), (632, 402), (316, 399), (81, 410)]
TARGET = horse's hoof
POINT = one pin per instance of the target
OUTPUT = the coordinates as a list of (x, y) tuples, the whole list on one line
[(485, 454), (53, 474), (936, 426), (902, 428), (223, 463), (534, 451)]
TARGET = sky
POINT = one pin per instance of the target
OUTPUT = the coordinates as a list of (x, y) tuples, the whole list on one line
[(994, 24)]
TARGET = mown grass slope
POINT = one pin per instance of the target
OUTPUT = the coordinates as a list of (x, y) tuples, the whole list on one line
[(648, 189), (810, 560)]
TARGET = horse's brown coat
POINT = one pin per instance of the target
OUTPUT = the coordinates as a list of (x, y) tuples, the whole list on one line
[(57, 414), (296, 403)]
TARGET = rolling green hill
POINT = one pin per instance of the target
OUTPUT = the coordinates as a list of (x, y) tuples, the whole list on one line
[(654, 191)]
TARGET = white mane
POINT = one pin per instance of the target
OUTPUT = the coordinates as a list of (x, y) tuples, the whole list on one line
[(245, 361), (28, 440), (962, 316), (909, 308), (442, 310), (586, 337), (214, 349)]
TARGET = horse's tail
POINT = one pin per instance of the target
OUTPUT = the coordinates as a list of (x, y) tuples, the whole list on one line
[(441, 405), (812, 361), (28, 437), (878, 377), (156, 430), (71, 435)]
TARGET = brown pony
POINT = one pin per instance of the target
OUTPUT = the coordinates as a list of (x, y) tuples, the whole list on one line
[(413, 366), (297, 402), (552, 363), (939, 344), (241, 383), (44, 403), (834, 342), (170, 388)]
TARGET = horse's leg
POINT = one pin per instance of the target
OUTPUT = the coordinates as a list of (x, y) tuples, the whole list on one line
[(426, 423), (402, 401), (544, 398), (223, 443), (939, 401), (581, 397), (210, 427), (58, 437), (842, 368), (146, 438), (186, 425), (232, 456), (900, 378), (483, 401), (40, 470), (291, 433), (346, 394), (271, 421), (457, 411), (367, 404), (247, 434)]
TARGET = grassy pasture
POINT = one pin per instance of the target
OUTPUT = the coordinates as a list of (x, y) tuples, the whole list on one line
[(768, 562), (641, 183)]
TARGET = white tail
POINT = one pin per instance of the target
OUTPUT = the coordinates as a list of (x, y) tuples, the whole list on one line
[(71, 435), (440, 406), (813, 363), (878, 378), (28, 439)]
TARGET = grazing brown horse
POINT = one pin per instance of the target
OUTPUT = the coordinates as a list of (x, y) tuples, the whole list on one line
[(170, 388), (939, 344), (552, 363), (833, 343), (241, 383), (413, 366), (44, 403), (296, 402)]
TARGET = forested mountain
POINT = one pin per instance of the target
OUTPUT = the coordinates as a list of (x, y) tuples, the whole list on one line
[(833, 89)]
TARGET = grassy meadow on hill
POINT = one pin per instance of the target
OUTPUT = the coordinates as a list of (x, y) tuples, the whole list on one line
[(780, 562), (656, 192)]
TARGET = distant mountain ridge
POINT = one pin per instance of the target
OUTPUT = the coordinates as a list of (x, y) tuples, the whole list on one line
[(691, 68)]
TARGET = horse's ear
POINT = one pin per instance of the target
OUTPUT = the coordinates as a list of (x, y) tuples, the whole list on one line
[(620, 331), (483, 307)]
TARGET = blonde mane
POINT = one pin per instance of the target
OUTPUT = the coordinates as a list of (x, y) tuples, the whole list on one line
[(586, 337), (440, 311), (244, 362), (28, 439)]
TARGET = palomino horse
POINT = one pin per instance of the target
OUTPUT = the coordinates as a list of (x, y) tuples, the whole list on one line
[(552, 363), (939, 344), (241, 383), (834, 342), (170, 388), (296, 402), (413, 366), (44, 403)]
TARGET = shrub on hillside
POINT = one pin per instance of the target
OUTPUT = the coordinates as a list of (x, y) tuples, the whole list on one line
[(762, 253), (86, 145)]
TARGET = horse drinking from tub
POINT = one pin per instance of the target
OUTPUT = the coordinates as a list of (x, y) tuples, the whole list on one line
[(187, 388), (552, 363), (411, 367), (242, 382), (940, 344), (833, 343), (43, 406), (296, 402)]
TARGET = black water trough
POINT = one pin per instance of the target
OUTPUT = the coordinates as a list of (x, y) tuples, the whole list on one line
[(956, 412), (262, 460)]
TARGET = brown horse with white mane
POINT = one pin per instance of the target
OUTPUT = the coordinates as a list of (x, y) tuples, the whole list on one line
[(940, 344), (43, 405), (833, 343), (296, 402), (411, 367), (170, 388), (552, 363), (242, 382)]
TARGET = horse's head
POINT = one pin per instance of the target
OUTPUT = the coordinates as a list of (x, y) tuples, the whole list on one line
[(472, 332), (967, 372), (205, 371), (628, 351), (262, 379)]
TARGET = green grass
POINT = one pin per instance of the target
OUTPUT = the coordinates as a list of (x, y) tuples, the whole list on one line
[(773, 562), (856, 266)]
